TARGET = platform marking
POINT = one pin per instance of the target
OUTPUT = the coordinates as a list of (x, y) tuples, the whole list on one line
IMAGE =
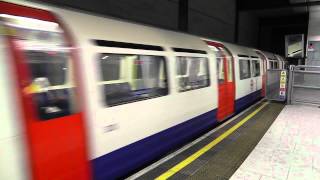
[(206, 148)]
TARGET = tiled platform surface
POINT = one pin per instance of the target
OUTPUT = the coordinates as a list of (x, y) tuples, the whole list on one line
[(290, 149)]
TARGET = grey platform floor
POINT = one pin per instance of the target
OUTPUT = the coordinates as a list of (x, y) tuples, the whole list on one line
[(290, 150)]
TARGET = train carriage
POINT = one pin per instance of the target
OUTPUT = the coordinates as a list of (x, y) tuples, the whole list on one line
[(89, 97)]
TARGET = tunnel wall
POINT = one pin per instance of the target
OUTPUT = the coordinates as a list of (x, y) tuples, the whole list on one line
[(248, 29), (207, 18)]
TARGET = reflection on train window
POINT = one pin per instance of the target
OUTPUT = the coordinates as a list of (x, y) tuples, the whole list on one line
[(129, 78), (196, 73), (255, 68), (244, 69), (50, 66), (51, 84), (110, 69), (181, 67)]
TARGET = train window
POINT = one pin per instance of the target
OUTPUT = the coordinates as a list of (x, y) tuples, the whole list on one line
[(244, 69), (196, 73), (189, 50), (128, 78), (255, 68), (117, 44), (276, 65), (48, 58)]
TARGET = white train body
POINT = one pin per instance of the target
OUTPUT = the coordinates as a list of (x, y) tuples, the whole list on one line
[(140, 92)]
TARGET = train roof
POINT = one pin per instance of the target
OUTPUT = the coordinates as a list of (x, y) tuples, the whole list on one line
[(91, 27), (238, 50), (269, 55), (280, 58)]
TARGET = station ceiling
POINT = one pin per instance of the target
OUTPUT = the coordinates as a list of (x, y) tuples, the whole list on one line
[(275, 4), (278, 18), (271, 8)]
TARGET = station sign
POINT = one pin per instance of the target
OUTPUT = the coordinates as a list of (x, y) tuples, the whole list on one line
[(283, 83)]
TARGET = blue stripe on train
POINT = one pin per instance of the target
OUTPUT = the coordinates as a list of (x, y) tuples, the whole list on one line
[(246, 101), (130, 158)]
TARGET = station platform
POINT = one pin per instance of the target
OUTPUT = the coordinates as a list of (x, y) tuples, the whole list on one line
[(290, 149), (223, 153)]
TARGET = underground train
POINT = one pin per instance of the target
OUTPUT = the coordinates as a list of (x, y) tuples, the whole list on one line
[(89, 97)]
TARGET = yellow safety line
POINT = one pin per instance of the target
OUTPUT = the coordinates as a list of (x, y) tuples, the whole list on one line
[(206, 148)]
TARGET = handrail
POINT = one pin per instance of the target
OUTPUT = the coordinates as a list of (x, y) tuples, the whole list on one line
[(305, 66), (307, 72), (307, 87)]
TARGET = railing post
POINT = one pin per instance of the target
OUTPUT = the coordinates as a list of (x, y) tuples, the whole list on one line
[(290, 81)]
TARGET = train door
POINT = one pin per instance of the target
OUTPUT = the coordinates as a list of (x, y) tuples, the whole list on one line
[(226, 82), (264, 72), (44, 61)]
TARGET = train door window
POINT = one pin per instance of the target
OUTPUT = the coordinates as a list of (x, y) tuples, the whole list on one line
[(49, 60), (276, 65), (230, 69), (127, 78), (197, 73), (220, 63), (271, 65), (220, 70), (244, 69), (255, 68)]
